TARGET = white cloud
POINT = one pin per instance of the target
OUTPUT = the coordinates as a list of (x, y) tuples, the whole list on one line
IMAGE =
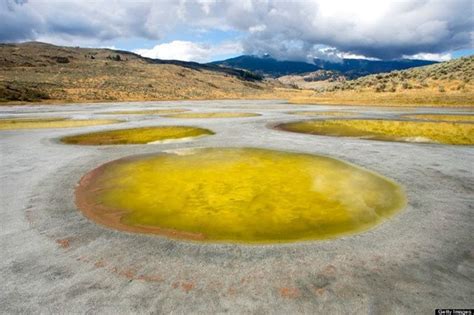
[(257, 28), (292, 28), (380, 29), (428, 56), (355, 56), (190, 51)]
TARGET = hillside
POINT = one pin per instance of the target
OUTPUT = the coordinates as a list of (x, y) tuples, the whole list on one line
[(350, 68), (316, 80), (452, 75), (266, 65), (37, 71), (354, 68), (446, 83)]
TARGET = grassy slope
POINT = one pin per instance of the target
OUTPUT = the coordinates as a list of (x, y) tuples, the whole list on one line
[(37, 71), (317, 80), (445, 84)]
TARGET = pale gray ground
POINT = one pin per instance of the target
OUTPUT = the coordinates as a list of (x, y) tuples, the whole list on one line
[(54, 260)]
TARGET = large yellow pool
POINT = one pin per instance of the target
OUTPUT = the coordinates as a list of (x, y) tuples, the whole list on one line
[(242, 195)]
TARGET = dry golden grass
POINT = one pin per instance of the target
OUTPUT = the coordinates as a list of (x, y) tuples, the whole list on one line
[(40, 123), (39, 72), (388, 130), (136, 135), (444, 84), (135, 82), (31, 72), (410, 98)]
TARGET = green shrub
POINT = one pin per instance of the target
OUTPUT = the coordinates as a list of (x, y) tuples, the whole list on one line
[(380, 87)]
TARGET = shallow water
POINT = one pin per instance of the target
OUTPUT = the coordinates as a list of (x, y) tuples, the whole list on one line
[(136, 135), (322, 113), (388, 130), (442, 117), (147, 112), (238, 195), (213, 115), (51, 122)]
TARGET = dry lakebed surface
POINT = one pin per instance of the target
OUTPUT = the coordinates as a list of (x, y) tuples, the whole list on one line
[(56, 259)]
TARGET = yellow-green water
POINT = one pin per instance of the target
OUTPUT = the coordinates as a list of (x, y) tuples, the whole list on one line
[(51, 122), (321, 113), (136, 135), (442, 117), (147, 112), (240, 195), (212, 115), (388, 130)]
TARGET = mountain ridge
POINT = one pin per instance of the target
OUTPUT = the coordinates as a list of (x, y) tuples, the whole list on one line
[(350, 68), (44, 73)]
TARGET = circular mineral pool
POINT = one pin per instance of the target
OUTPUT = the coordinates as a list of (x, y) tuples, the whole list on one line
[(136, 135), (51, 122), (442, 117), (212, 115), (241, 195), (321, 113), (388, 130), (147, 112)]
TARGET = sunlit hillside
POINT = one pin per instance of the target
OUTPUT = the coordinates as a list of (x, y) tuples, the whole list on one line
[(38, 72), (446, 83), (42, 72)]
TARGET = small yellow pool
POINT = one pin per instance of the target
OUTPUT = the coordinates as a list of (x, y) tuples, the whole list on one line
[(322, 113), (147, 112), (51, 122), (388, 130), (241, 195), (136, 135), (442, 117), (213, 115)]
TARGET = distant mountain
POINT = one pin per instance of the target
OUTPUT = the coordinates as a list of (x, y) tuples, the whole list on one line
[(267, 65), (350, 68), (354, 68)]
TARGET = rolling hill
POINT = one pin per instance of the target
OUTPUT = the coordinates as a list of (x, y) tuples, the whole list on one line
[(350, 68), (36, 71), (313, 80), (446, 83)]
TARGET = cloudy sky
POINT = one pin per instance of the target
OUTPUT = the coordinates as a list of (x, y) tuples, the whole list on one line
[(205, 30)]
